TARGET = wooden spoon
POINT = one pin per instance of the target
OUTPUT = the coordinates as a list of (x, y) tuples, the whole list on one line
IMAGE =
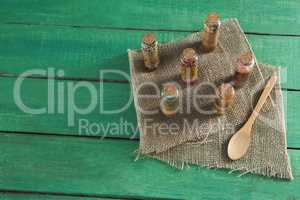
[(240, 141)]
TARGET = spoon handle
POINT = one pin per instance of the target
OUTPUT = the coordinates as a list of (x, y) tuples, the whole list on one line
[(262, 99)]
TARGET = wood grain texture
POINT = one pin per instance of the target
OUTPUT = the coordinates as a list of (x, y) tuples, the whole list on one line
[(83, 38), (84, 52), (34, 94), (280, 17), (25, 196), (97, 167), (79, 52), (291, 103)]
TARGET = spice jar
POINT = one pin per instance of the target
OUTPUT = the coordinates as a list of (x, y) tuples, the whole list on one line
[(169, 103), (211, 32), (150, 51), (225, 96), (189, 66), (244, 67)]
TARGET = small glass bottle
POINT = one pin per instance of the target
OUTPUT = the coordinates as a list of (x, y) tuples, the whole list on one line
[(189, 66), (150, 51), (211, 32), (244, 67), (169, 103), (225, 96)]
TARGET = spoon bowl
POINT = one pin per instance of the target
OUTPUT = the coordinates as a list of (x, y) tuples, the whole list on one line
[(239, 143)]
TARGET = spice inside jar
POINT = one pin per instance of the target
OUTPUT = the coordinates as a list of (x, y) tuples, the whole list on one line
[(189, 66), (211, 32), (244, 67), (224, 98), (150, 51), (169, 99)]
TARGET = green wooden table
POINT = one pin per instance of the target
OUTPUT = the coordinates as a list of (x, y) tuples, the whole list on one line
[(42, 157)]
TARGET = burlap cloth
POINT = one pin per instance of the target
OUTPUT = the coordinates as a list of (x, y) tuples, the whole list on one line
[(202, 138)]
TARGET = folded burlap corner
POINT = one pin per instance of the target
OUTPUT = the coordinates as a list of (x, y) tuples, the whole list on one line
[(204, 142)]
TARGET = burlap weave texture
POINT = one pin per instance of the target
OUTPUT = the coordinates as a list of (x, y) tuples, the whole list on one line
[(205, 143)]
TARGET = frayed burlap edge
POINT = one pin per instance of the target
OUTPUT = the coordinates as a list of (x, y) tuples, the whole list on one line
[(177, 160)]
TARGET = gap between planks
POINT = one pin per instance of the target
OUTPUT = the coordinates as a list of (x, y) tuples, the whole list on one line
[(60, 194), (134, 29), (78, 79), (135, 139)]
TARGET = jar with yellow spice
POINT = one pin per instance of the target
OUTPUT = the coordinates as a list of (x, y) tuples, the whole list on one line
[(169, 103), (211, 32), (224, 98), (150, 51)]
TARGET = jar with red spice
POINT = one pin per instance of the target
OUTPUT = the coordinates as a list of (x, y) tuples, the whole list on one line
[(244, 67), (189, 66)]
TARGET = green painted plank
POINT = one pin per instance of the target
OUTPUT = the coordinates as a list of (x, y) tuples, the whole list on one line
[(25, 196), (104, 167), (277, 17), (79, 52), (279, 51), (84, 52), (292, 116), (18, 110), (34, 94)]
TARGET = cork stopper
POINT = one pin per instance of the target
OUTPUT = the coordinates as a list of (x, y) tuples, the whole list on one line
[(212, 18), (149, 39), (170, 91), (226, 92), (212, 22), (245, 63), (246, 58), (189, 56)]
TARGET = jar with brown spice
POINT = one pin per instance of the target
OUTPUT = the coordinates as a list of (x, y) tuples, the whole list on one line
[(211, 32), (150, 51), (169, 103), (189, 66), (244, 67), (224, 98)]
